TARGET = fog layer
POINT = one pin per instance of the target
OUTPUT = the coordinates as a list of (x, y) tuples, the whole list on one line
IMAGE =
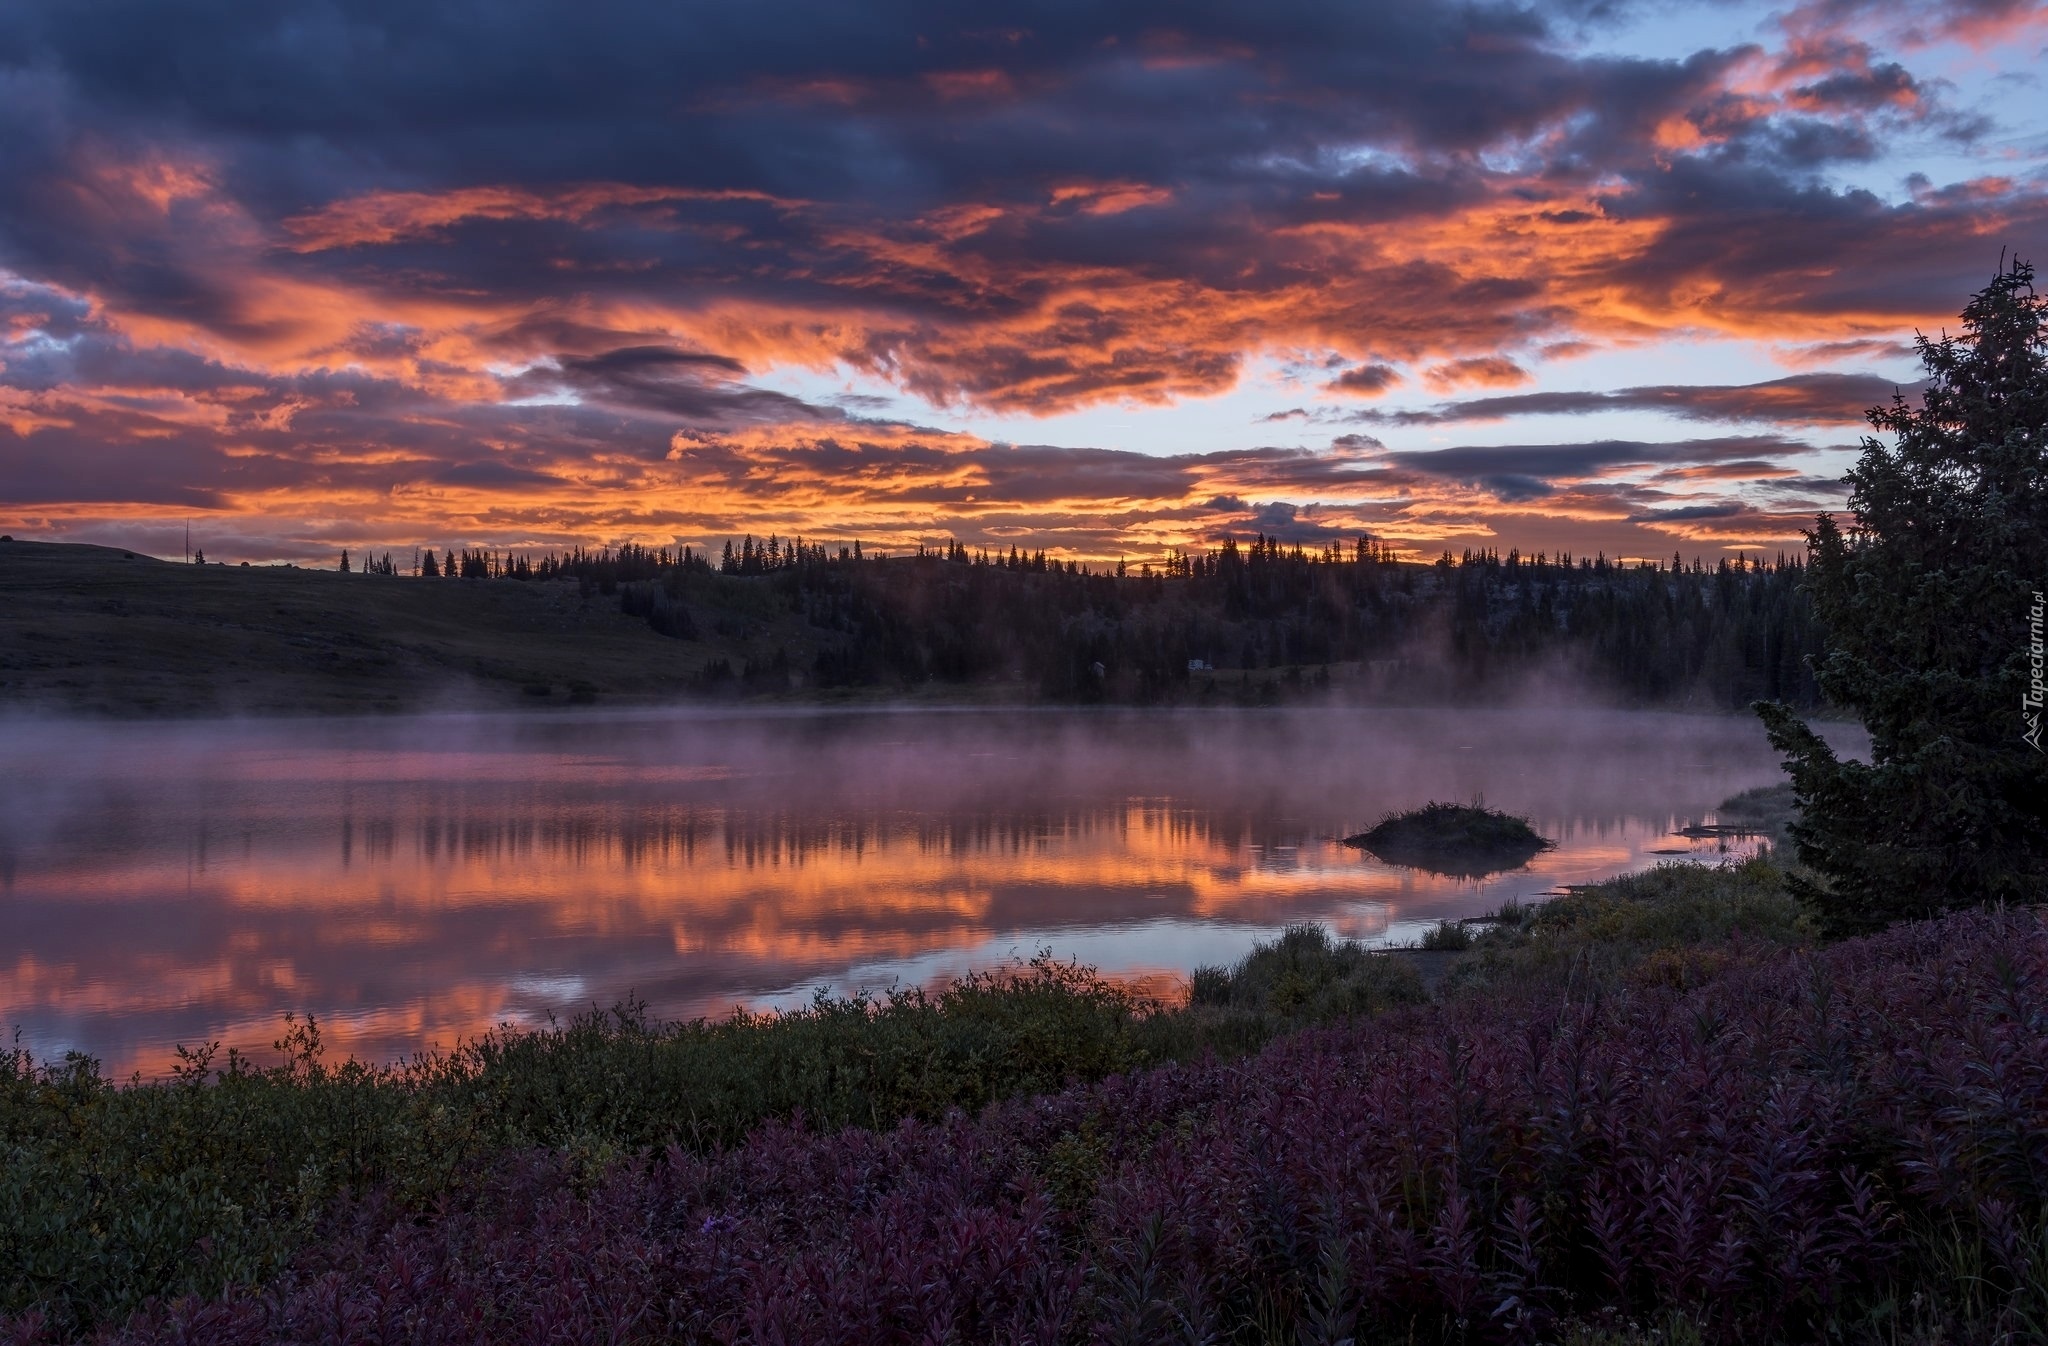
[(415, 880)]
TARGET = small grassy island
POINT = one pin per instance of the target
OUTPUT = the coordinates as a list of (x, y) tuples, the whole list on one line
[(1463, 840)]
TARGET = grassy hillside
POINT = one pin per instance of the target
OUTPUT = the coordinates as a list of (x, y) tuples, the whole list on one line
[(103, 631)]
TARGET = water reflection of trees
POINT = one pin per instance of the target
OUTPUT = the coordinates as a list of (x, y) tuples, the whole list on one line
[(751, 838), (791, 838)]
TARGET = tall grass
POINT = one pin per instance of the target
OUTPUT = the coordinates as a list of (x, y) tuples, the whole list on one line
[(1659, 922), (1848, 1144), (112, 1194), (1306, 976)]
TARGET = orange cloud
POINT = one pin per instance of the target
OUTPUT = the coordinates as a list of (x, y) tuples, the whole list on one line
[(1109, 198), (1486, 371), (961, 305), (421, 361)]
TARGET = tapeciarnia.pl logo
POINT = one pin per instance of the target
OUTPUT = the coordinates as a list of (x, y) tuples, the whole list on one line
[(2030, 704)]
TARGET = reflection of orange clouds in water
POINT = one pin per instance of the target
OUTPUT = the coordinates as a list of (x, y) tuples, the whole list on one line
[(423, 880), (478, 904)]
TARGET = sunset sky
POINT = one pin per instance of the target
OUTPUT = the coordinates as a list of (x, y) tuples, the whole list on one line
[(1104, 279)]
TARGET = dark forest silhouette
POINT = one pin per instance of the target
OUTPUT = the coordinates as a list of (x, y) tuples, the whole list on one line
[(1260, 620)]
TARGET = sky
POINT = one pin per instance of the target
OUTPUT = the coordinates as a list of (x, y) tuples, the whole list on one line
[(1105, 279)]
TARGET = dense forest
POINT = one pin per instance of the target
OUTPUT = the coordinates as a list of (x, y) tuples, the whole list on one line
[(1257, 622)]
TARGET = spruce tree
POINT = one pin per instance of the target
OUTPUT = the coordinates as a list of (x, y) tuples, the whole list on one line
[(1926, 602)]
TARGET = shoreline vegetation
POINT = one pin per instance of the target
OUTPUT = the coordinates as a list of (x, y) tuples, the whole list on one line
[(1654, 1109)]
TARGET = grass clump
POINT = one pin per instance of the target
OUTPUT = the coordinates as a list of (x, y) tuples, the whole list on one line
[(1447, 937), (1466, 840), (1676, 921), (1307, 976)]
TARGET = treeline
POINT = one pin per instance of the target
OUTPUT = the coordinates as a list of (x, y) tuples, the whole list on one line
[(1257, 621), (627, 563)]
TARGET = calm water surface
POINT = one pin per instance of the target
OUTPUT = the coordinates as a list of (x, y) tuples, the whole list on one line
[(415, 881)]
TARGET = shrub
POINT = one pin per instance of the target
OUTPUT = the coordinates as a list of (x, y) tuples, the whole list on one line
[(662, 609), (1209, 985), (1769, 809), (1306, 976), (1594, 934)]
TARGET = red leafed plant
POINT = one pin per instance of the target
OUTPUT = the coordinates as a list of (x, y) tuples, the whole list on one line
[(1835, 1144)]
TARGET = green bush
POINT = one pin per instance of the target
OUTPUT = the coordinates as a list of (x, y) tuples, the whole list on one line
[(1768, 809), (1467, 840), (1631, 925), (1306, 976), (1447, 937)]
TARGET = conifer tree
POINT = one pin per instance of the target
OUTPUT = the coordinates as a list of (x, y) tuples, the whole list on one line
[(1926, 603)]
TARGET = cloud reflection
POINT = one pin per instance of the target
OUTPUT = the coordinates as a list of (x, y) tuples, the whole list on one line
[(415, 883)]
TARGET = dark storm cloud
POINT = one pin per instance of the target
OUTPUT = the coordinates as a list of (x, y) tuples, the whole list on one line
[(695, 388), (1873, 348), (1370, 380), (101, 420), (389, 450), (549, 263), (1524, 470), (1876, 86), (932, 472), (1295, 525), (1803, 399), (494, 475), (1766, 243), (806, 156), (441, 91)]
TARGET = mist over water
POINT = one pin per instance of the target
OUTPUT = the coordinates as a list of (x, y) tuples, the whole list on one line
[(412, 881)]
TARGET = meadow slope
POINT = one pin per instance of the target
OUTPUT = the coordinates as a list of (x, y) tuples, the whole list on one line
[(100, 631)]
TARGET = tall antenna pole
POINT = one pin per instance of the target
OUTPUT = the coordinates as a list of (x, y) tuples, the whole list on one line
[(188, 541)]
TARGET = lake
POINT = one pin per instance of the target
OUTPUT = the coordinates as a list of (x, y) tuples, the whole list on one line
[(412, 881)]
